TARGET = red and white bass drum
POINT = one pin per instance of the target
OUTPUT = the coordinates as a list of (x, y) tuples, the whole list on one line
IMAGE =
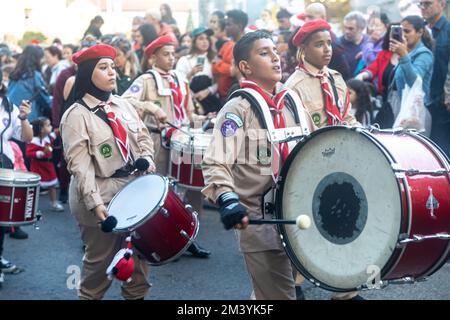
[(377, 200)]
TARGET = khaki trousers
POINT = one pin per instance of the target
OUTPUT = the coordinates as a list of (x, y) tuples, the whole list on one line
[(271, 275), (100, 250)]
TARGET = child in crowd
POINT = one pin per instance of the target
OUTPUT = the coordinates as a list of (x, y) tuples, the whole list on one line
[(361, 102), (19, 162), (40, 152)]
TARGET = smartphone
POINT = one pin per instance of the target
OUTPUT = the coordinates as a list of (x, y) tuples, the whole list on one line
[(397, 33), (200, 60)]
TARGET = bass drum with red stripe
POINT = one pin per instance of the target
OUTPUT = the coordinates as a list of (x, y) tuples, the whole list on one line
[(379, 202)]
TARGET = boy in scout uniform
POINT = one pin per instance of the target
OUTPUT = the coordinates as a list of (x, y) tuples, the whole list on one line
[(164, 95), (237, 167), (322, 90), (102, 136)]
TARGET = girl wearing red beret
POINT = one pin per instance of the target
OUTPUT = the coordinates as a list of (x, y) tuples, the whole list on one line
[(102, 136)]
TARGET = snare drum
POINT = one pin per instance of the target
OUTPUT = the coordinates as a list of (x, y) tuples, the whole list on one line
[(19, 197), (161, 226), (186, 156), (379, 202)]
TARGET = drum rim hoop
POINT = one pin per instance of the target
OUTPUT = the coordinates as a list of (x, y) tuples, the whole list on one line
[(33, 179)]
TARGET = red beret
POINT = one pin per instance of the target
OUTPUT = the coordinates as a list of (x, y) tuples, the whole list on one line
[(94, 52), (307, 29), (162, 41)]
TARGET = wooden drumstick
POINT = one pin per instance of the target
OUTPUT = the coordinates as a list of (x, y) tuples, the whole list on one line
[(178, 128)]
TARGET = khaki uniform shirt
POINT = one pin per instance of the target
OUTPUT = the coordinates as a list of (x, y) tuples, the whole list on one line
[(238, 160), (143, 94), (91, 151), (310, 91)]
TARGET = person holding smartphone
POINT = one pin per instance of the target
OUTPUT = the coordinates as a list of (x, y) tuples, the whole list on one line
[(413, 44), (197, 68)]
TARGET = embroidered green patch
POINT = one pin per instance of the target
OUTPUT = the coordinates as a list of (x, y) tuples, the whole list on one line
[(316, 119), (106, 151), (235, 118), (264, 155)]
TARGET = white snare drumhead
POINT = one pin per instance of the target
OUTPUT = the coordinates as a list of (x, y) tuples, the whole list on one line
[(345, 184), (137, 201), (200, 141), (11, 177)]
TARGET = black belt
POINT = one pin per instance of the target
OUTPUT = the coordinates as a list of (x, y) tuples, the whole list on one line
[(123, 172), (154, 130), (44, 160)]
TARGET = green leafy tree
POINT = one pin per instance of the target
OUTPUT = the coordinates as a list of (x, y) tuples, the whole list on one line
[(30, 37)]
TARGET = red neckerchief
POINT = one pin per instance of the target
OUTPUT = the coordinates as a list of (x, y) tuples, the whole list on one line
[(119, 131), (276, 106), (334, 116), (177, 97)]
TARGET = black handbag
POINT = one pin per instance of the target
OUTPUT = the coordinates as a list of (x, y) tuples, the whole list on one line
[(385, 117)]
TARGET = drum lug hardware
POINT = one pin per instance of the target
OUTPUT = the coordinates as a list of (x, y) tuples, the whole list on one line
[(269, 208), (156, 257), (165, 212), (185, 235), (38, 218), (191, 209), (404, 280), (172, 182), (317, 284), (401, 237), (135, 235), (414, 172), (419, 238)]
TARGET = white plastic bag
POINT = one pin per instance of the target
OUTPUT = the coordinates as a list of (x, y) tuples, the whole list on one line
[(413, 113)]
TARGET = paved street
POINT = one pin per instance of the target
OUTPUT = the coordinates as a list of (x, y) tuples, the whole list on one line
[(55, 249)]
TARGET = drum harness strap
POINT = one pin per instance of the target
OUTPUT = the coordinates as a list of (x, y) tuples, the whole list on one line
[(275, 135), (129, 167), (163, 91)]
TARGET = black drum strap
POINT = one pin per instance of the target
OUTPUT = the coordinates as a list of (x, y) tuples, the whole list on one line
[(99, 112)]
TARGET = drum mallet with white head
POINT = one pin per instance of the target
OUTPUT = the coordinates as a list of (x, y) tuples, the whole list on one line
[(303, 222)]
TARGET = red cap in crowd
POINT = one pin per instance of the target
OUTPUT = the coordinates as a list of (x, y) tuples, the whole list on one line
[(158, 43), (94, 52), (301, 16), (307, 29)]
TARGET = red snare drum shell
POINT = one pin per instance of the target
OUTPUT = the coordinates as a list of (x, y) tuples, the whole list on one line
[(23, 187), (168, 233), (162, 227)]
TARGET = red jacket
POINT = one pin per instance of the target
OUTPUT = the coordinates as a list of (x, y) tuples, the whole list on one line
[(222, 69), (378, 67)]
